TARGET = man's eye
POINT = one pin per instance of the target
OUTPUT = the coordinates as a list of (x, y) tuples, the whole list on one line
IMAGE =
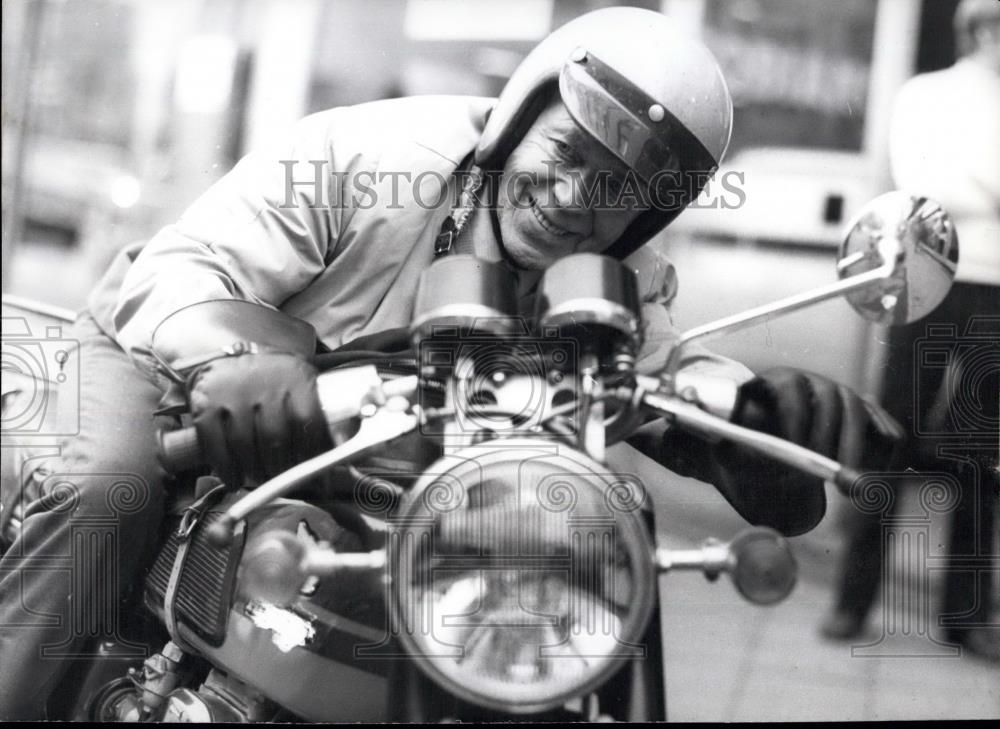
[(566, 151)]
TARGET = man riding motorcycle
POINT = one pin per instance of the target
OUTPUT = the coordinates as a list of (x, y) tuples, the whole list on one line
[(320, 228)]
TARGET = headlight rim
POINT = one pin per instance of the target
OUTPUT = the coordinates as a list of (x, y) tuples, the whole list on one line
[(637, 536)]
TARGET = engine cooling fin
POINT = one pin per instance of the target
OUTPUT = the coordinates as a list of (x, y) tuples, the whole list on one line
[(204, 591)]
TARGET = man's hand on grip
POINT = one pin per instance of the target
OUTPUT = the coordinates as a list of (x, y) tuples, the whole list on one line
[(816, 413), (257, 414)]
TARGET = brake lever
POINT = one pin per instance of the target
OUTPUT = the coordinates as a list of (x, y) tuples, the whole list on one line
[(692, 417), (387, 423)]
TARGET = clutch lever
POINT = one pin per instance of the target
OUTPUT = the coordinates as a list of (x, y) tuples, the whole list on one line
[(388, 422)]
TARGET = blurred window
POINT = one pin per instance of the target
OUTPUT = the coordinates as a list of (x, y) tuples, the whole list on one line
[(798, 71), (372, 50), (477, 19), (83, 87)]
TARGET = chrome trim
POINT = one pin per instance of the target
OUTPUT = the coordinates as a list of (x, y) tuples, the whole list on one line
[(452, 468), (888, 250), (464, 316), (593, 310), (691, 417), (714, 394), (342, 392), (386, 424), (712, 557)]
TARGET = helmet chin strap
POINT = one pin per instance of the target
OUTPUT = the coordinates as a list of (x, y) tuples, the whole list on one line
[(494, 211), (479, 191), (640, 231), (527, 279), (487, 209)]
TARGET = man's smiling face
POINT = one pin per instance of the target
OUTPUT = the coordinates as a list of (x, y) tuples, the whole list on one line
[(542, 202)]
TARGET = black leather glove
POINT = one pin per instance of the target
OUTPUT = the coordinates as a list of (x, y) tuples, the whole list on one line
[(819, 414), (800, 407), (257, 414), (811, 411)]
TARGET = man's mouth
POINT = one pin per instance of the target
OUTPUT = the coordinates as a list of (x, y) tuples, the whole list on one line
[(543, 221)]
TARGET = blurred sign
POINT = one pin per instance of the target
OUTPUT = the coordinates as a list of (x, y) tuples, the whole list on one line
[(768, 73), (205, 73), (799, 72), (478, 19)]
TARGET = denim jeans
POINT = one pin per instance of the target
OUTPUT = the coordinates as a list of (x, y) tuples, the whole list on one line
[(90, 535)]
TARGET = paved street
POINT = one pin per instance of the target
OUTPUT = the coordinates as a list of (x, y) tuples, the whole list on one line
[(728, 660)]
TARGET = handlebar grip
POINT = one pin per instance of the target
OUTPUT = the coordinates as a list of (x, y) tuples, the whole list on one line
[(179, 450)]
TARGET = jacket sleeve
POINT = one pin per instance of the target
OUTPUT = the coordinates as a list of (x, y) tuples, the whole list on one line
[(657, 280), (944, 154), (260, 234), (789, 503)]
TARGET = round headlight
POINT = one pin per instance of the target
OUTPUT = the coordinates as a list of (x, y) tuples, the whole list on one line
[(522, 574)]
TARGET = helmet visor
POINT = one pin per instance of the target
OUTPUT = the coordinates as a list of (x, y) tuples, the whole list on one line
[(633, 126)]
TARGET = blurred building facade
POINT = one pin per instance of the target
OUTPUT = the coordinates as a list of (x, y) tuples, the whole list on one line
[(118, 113)]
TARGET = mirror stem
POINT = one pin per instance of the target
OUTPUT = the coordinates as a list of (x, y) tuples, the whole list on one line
[(889, 249)]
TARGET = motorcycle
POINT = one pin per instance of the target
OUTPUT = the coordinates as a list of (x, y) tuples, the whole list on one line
[(463, 551)]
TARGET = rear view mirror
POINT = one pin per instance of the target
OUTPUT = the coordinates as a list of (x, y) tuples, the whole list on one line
[(926, 256)]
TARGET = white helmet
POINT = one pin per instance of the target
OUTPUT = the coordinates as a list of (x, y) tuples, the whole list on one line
[(639, 84)]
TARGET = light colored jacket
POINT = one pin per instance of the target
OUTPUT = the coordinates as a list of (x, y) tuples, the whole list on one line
[(945, 143), (334, 226)]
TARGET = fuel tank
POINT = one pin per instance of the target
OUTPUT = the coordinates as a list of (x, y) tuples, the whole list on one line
[(327, 655)]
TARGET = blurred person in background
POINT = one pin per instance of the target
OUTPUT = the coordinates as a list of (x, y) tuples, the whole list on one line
[(945, 144), (323, 251)]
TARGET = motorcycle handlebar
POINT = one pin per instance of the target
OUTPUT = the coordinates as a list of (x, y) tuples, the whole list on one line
[(697, 420), (180, 450), (342, 394)]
